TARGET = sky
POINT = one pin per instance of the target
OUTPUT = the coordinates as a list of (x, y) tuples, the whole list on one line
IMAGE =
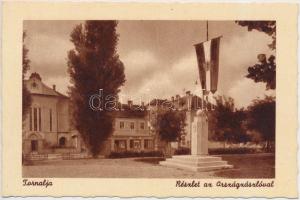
[(159, 57)]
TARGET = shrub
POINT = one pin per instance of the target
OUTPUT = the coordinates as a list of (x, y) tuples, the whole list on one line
[(183, 151), (128, 154), (216, 151), (236, 150)]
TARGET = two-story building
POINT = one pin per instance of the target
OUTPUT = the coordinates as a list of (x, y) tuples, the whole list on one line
[(132, 131), (47, 127)]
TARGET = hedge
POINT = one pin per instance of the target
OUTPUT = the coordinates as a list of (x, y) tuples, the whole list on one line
[(128, 154), (182, 151), (216, 151), (234, 150)]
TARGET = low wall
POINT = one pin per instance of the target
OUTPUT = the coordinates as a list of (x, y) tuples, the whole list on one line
[(56, 156)]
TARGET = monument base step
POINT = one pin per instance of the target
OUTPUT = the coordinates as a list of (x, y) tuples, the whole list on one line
[(196, 163)]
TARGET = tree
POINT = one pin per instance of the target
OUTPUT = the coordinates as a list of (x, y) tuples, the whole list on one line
[(170, 125), (265, 70), (26, 98), (268, 27), (94, 65), (228, 122), (261, 118)]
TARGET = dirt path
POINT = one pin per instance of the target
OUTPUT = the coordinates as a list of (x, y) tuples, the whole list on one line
[(108, 168)]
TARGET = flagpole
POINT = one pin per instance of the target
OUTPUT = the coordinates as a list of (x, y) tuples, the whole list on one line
[(207, 40), (203, 99), (206, 30), (205, 95)]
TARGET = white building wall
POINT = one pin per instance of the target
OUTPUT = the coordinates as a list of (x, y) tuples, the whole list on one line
[(127, 131)]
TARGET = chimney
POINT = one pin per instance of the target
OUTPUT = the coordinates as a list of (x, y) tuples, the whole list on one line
[(54, 87), (188, 93)]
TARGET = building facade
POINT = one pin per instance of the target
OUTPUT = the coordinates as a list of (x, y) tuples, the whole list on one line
[(132, 134), (46, 126)]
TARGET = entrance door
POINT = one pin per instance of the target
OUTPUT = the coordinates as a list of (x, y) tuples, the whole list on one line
[(34, 145), (62, 141)]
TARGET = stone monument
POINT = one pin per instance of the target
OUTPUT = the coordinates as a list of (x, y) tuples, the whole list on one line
[(199, 160), (208, 65)]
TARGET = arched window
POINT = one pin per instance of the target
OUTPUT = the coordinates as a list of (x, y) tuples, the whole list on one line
[(62, 141)]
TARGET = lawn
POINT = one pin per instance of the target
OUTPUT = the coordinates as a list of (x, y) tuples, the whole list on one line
[(245, 166), (250, 166)]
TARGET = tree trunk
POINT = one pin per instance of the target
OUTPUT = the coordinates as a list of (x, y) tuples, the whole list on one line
[(168, 153)]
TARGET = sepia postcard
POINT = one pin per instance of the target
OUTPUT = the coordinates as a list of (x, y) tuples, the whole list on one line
[(149, 99)]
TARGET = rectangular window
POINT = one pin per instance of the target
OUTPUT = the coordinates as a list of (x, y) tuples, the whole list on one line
[(142, 125), (148, 144), (34, 119), (40, 120), (50, 117), (131, 125), (136, 144), (30, 119), (131, 144), (121, 125), (120, 144)]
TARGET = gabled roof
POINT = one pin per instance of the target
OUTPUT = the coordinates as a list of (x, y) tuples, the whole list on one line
[(35, 86)]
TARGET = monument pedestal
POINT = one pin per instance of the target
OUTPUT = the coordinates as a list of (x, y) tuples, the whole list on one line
[(196, 163), (199, 160)]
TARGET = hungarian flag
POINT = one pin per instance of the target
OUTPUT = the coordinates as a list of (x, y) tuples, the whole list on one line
[(208, 64)]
